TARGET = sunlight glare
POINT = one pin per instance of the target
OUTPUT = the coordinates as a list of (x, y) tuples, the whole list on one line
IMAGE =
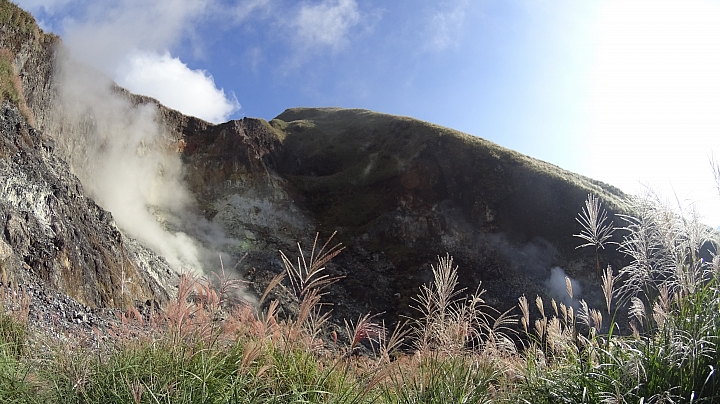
[(654, 108)]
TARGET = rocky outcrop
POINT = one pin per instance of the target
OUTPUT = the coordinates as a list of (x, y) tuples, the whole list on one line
[(31, 53), (52, 231)]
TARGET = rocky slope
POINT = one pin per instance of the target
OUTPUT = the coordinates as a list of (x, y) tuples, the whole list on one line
[(52, 232), (397, 191)]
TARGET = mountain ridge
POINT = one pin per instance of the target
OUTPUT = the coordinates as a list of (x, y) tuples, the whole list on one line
[(398, 191)]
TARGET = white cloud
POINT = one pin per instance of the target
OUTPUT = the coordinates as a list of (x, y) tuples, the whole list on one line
[(168, 79), (327, 23), (245, 8)]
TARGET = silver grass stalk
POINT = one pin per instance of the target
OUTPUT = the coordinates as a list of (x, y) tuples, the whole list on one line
[(540, 305), (664, 298), (595, 227), (525, 310), (664, 245), (593, 220), (540, 326), (637, 309), (563, 310), (715, 167), (634, 328), (584, 313), (597, 319), (608, 283), (554, 334), (659, 314), (661, 306)]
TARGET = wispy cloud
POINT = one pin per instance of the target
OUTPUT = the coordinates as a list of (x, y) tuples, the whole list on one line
[(105, 34), (445, 25), (326, 24), (47, 6), (243, 9)]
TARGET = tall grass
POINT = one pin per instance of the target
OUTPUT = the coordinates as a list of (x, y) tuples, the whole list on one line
[(669, 354), (15, 385), (10, 88), (210, 346)]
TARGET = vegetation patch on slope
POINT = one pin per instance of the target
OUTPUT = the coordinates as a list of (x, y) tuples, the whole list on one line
[(9, 81)]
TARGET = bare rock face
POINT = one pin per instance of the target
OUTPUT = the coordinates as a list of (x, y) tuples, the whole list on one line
[(52, 231), (231, 168)]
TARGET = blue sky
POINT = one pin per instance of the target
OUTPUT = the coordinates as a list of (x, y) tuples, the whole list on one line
[(627, 92)]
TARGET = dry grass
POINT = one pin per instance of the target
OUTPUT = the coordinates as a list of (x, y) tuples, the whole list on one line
[(10, 86), (208, 345)]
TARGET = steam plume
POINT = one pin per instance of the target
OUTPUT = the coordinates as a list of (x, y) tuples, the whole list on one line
[(558, 288), (122, 156), (120, 152)]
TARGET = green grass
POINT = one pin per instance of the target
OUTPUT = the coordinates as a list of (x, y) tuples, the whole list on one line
[(193, 371), (9, 85), (13, 16), (438, 379), (14, 383)]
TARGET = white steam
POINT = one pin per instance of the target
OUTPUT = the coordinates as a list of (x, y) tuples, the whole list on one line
[(557, 287), (103, 34), (122, 155), (125, 160), (193, 92)]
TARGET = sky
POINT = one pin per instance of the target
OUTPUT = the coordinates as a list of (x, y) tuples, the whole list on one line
[(623, 91)]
